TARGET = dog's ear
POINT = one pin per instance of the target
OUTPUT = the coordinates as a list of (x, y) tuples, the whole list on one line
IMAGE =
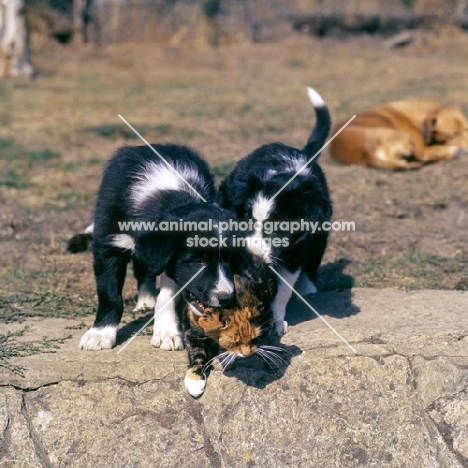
[(154, 250), (429, 126), (210, 321)]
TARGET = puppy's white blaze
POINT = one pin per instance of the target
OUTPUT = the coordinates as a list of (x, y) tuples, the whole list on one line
[(195, 387), (223, 284), (146, 295), (123, 241), (99, 338), (315, 98), (89, 229), (257, 247), (262, 207), (157, 176)]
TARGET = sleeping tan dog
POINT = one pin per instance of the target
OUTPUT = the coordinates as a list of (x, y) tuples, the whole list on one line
[(402, 135)]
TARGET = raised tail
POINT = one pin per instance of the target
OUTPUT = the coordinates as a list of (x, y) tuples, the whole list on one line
[(80, 242), (322, 126)]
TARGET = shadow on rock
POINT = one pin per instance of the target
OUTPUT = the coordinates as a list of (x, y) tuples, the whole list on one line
[(335, 300), (257, 371), (133, 327)]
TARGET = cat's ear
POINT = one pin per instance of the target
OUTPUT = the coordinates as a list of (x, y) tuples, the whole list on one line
[(210, 322)]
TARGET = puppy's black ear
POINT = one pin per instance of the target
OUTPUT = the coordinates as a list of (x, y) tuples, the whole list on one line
[(154, 250)]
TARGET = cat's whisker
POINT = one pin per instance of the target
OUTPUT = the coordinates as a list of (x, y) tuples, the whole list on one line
[(277, 348), (220, 356), (230, 360), (275, 357), (224, 360), (267, 359)]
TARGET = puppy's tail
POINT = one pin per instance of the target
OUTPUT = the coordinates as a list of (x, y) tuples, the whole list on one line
[(322, 126), (80, 242)]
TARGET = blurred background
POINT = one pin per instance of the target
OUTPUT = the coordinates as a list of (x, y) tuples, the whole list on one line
[(223, 76)]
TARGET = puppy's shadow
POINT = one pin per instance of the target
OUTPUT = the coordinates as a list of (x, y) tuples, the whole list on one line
[(133, 327), (334, 299)]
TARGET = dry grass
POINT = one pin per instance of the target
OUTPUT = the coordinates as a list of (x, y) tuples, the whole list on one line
[(57, 132)]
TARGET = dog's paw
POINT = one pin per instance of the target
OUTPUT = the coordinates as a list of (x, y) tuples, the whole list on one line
[(144, 302), (194, 384), (461, 152), (146, 295), (305, 286), (281, 327), (168, 340), (99, 338)]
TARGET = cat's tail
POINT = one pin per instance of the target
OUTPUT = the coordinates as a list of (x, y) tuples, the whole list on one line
[(80, 242), (322, 126)]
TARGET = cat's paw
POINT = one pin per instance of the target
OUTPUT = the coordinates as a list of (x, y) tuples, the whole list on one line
[(194, 384), (99, 338), (281, 327), (170, 340)]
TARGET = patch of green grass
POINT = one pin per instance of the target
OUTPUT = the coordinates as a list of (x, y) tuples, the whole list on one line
[(123, 131), (94, 161), (69, 166), (16, 161), (296, 63), (71, 200), (111, 131), (13, 179), (407, 3), (10, 347), (42, 155), (6, 143), (135, 91)]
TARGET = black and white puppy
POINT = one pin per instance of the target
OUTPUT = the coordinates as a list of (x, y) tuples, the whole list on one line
[(256, 190), (138, 186)]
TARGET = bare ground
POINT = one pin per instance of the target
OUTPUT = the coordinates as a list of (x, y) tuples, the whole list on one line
[(57, 131)]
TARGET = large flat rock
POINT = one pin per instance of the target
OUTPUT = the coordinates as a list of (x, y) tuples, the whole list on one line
[(400, 401)]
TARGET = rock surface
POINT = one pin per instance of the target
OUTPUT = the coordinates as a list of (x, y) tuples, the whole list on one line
[(401, 401)]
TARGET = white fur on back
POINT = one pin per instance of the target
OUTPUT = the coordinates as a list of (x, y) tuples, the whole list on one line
[(158, 176)]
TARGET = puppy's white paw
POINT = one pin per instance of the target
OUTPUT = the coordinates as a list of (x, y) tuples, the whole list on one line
[(281, 327), (99, 338), (195, 387), (146, 295), (144, 302), (305, 286), (168, 340)]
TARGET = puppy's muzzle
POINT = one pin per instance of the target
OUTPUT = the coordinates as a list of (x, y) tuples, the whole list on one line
[(226, 299)]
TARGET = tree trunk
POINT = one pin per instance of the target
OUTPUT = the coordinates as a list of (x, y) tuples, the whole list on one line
[(14, 47)]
